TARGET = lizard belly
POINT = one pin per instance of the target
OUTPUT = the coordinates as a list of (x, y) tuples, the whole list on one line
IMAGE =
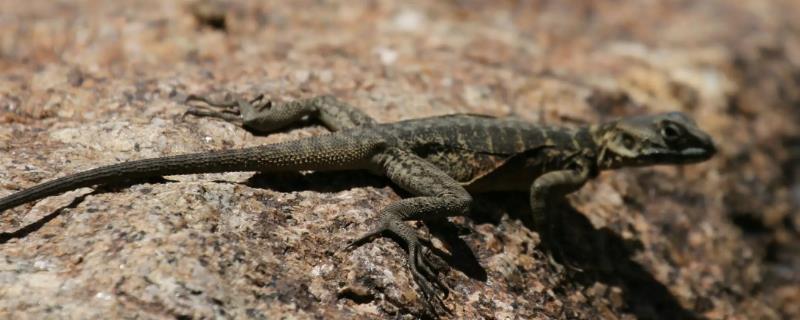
[(516, 173), (504, 178), (463, 166)]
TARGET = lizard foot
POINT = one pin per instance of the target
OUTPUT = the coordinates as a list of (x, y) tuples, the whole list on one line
[(561, 268), (555, 253), (419, 265), (228, 108)]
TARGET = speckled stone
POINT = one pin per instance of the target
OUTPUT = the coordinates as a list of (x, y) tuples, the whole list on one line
[(85, 83)]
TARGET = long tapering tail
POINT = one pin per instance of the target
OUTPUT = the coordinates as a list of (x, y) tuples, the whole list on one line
[(328, 152)]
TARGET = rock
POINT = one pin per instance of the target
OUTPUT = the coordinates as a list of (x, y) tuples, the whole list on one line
[(84, 83)]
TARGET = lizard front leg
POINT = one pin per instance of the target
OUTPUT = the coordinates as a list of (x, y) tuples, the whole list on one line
[(262, 115), (436, 195), (549, 189)]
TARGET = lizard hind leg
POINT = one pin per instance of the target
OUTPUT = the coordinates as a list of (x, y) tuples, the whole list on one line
[(436, 195)]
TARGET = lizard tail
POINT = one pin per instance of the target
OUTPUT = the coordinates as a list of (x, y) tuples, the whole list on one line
[(329, 152)]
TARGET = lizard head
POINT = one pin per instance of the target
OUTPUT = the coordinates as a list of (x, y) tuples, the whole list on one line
[(667, 138)]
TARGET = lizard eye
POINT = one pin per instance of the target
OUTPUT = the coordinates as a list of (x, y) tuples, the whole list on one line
[(670, 132)]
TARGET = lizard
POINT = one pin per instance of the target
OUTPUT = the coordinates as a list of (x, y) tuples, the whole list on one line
[(440, 161)]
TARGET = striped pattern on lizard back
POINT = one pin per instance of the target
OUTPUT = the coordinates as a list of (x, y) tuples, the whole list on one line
[(468, 146)]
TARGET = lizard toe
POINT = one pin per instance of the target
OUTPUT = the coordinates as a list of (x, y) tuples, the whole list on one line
[(429, 283), (224, 115), (366, 237), (227, 103), (558, 266), (422, 263)]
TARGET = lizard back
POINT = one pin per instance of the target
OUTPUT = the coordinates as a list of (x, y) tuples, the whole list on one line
[(469, 147)]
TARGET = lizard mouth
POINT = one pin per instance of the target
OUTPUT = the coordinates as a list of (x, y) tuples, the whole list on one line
[(701, 151), (698, 153), (684, 156)]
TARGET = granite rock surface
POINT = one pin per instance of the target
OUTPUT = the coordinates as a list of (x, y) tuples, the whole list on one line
[(86, 83)]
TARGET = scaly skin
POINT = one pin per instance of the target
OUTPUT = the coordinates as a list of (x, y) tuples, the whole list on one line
[(440, 161)]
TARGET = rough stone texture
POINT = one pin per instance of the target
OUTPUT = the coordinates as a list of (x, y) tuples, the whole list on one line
[(84, 83)]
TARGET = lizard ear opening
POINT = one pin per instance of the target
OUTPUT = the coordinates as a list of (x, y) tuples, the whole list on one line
[(622, 143), (626, 140)]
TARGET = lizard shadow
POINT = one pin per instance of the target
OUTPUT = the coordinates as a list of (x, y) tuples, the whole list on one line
[(25, 230), (315, 181), (34, 226), (603, 255), (461, 256)]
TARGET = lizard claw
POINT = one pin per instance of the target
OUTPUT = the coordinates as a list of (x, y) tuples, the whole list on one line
[(555, 250), (560, 268), (424, 263), (227, 103), (427, 279), (227, 109), (365, 237), (199, 112)]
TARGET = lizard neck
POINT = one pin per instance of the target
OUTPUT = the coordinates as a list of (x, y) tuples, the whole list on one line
[(584, 149), (606, 160)]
